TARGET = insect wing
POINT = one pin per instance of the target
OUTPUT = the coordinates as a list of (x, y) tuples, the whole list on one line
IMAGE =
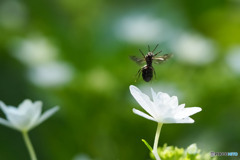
[(160, 59), (137, 60)]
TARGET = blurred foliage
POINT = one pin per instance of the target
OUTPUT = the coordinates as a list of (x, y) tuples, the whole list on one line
[(95, 39)]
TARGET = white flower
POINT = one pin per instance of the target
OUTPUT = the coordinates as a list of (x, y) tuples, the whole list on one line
[(232, 58), (163, 108), (194, 49), (53, 74), (26, 116), (34, 50), (142, 29)]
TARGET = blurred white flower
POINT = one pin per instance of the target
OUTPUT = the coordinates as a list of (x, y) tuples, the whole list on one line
[(40, 56), (194, 49), (163, 108), (142, 29), (82, 156), (233, 58), (34, 50), (51, 74), (26, 116)]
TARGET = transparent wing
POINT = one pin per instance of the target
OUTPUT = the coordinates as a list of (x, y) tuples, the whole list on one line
[(139, 61), (160, 59)]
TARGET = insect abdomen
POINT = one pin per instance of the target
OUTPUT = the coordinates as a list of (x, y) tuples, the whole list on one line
[(147, 73)]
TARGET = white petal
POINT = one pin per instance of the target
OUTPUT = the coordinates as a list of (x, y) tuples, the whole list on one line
[(154, 95), (25, 105), (25, 116), (19, 121), (181, 106), (173, 120), (163, 97), (186, 112), (35, 112), (140, 113), (6, 123), (4, 107), (173, 101), (46, 115), (142, 100), (186, 120), (169, 120), (14, 119), (31, 109)]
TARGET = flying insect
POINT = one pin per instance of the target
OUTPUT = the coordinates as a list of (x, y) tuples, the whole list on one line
[(147, 70)]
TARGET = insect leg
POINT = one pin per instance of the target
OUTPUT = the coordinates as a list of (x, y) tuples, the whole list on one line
[(154, 73), (149, 48), (138, 74), (155, 48)]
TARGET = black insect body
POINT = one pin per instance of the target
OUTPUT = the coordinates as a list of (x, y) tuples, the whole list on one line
[(148, 70), (147, 73)]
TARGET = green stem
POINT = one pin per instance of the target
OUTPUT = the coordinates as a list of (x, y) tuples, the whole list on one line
[(156, 141), (29, 145)]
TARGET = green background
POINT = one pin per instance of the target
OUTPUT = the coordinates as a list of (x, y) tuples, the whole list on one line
[(95, 119)]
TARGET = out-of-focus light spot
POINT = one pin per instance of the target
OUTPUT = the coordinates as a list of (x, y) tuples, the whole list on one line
[(40, 56), (51, 74), (233, 59), (82, 157), (194, 49), (34, 50), (142, 29), (12, 14), (100, 80)]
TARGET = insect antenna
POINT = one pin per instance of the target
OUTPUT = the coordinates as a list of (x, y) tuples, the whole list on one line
[(155, 48), (149, 49), (157, 53), (141, 52)]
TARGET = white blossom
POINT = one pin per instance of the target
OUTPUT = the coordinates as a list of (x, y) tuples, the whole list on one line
[(26, 116), (162, 108)]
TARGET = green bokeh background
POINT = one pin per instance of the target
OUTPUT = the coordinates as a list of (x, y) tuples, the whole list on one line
[(95, 119)]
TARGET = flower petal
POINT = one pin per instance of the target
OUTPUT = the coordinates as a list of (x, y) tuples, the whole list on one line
[(14, 117), (186, 120), (173, 101), (4, 107), (169, 120), (174, 120), (154, 95), (30, 109), (186, 112), (143, 100), (25, 105), (163, 108), (181, 106), (35, 112), (46, 115), (140, 113), (163, 97), (6, 123), (24, 117), (19, 121)]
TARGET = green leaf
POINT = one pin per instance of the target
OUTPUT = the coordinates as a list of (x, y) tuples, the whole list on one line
[(146, 143)]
